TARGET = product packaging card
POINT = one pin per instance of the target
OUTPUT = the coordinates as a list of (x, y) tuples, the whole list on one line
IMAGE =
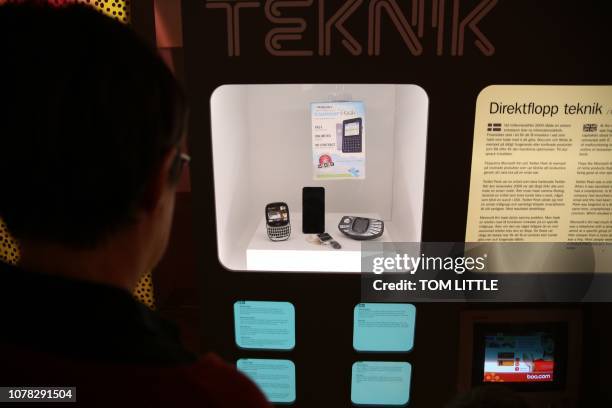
[(275, 378), (383, 327), (338, 140), (381, 383), (264, 325)]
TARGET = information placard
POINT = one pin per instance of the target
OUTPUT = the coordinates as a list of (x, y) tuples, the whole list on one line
[(384, 327), (264, 325), (381, 383), (275, 378), (542, 165)]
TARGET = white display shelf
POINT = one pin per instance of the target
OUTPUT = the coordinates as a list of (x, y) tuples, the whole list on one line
[(297, 254), (262, 153)]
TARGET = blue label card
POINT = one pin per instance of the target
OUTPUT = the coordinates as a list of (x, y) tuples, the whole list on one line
[(275, 378), (264, 325), (384, 327), (381, 383)]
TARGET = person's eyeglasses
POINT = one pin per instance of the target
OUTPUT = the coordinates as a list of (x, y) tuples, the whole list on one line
[(184, 159), (179, 164)]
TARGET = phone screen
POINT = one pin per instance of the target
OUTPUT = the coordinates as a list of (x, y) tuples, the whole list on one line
[(277, 214), (361, 225), (313, 207), (351, 129)]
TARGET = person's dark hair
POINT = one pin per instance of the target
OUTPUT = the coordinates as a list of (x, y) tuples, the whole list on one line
[(87, 113), (489, 396)]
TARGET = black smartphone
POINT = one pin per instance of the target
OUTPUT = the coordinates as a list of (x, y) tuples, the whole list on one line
[(313, 208), (352, 135)]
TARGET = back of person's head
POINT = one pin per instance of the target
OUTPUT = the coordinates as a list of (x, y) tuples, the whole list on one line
[(490, 396), (87, 113)]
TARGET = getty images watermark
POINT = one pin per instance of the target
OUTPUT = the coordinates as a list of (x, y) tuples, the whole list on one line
[(409, 264), (490, 272)]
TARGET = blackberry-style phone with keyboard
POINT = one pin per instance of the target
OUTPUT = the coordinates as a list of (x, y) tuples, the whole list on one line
[(278, 223), (352, 131), (360, 228)]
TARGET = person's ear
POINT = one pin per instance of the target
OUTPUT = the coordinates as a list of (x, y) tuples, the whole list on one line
[(159, 181)]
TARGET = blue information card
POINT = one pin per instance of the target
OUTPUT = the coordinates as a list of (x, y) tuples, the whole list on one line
[(383, 327), (381, 383), (264, 325), (275, 378)]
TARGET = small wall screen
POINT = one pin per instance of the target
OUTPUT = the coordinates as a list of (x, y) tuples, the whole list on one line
[(526, 357), (275, 378), (384, 327), (381, 383), (264, 325)]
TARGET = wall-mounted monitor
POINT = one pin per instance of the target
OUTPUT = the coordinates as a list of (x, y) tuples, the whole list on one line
[(525, 350), (529, 357)]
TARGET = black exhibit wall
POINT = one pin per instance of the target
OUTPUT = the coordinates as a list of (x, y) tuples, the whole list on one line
[(509, 42)]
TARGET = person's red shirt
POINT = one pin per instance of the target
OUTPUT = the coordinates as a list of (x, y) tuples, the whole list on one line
[(115, 351)]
